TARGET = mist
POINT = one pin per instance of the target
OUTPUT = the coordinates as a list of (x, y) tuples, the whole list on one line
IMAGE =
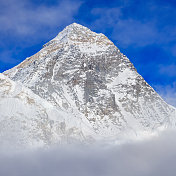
[(154, 157)]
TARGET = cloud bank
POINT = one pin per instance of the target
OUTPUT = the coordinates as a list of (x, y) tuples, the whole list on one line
[(155, 157)]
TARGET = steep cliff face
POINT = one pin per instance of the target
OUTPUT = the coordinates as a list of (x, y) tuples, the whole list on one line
[(84, 73)]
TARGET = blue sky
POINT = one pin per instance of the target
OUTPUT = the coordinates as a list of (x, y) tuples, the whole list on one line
[(145, 31)]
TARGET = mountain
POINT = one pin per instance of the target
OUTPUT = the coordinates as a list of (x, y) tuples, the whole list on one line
[(85, 75)]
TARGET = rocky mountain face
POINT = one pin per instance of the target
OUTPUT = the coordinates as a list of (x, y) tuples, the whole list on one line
[(85, 75)]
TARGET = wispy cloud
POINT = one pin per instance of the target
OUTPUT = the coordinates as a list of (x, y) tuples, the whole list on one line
[(24, 18), (125, 31), (138, 24), (168, 93)]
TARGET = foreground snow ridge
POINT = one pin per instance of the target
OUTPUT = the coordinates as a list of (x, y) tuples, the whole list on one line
[(79, 88)]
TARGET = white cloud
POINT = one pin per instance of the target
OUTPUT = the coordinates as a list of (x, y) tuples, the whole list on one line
[(24, 18), (155, 157)]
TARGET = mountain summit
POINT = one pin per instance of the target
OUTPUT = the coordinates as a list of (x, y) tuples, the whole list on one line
[(80, 35), (84, 75)]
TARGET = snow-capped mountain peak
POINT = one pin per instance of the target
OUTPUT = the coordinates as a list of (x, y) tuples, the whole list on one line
[(84, 73), (80, 35)]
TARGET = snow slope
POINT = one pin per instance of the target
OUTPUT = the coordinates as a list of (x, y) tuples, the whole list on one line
[(26, 120)]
